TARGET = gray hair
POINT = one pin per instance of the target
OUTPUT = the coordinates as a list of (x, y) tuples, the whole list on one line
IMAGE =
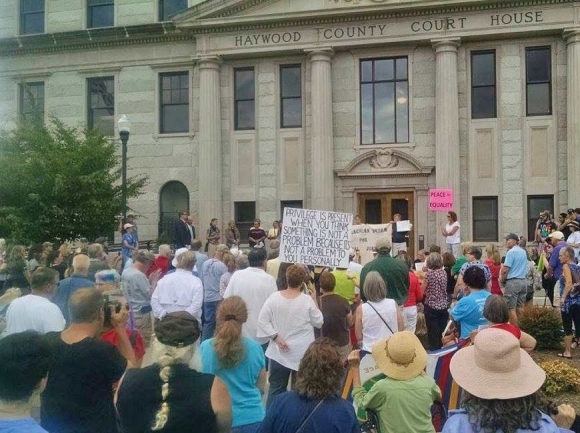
[(375, 288), (434, 261), (95, 251), (242, 262)]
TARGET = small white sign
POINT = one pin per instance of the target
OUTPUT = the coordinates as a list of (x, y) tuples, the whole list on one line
[(404, 226)]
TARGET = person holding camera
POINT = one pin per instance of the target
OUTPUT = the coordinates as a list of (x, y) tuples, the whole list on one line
[(79, 393)]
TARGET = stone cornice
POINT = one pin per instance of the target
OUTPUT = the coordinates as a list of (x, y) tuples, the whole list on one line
[(93, 38), (345, 15)]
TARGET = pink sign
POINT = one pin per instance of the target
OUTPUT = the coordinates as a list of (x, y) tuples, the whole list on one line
[(441, 200)]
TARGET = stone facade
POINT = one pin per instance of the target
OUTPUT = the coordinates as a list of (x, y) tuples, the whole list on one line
[(322, 164)]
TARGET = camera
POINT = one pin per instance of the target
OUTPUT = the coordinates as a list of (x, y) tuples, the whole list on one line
[(108, 306)]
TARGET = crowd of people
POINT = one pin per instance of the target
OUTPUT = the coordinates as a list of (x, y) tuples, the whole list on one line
[(222, 339)]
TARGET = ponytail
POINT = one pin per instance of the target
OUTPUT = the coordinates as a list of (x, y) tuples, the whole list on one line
[(228, 345)]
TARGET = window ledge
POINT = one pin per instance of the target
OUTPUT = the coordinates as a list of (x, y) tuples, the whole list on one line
[(362, 147), (174, 135)]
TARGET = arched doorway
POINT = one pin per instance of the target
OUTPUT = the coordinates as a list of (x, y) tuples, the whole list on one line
[(173, 199)]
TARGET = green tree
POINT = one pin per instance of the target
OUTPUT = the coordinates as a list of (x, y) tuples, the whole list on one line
[(60, 183)]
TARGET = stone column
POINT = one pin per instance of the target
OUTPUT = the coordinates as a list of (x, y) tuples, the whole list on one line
[(210, 143), (446, 122), (572, 38), (322, 154)]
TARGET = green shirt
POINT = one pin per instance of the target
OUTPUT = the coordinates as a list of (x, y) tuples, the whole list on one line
[(461, 260), (394, 272), (344, 286), (402, 406)]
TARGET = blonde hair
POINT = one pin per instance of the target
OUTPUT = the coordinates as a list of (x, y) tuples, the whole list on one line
[(421, 328), (167, 356), (228, 345), (465, 246), (81, 263), (493, 254)]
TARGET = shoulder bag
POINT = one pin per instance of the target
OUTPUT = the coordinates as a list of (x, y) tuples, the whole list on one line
[(303, 423)]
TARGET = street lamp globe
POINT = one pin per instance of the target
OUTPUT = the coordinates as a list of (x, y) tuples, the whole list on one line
[(124, 124)]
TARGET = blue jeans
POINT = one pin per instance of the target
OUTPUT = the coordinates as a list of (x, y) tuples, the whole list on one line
[(209, 316), (248, 428)]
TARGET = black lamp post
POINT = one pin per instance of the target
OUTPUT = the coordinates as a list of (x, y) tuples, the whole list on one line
[(124, 131)]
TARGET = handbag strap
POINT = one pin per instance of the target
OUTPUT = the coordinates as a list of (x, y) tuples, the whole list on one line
[(379, 314), (303, 423)]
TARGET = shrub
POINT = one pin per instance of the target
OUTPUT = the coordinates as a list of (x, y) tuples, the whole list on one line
[(544, 325), (560, 377)]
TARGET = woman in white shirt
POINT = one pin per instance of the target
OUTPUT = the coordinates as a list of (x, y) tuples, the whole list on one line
[(574, 238), (288, 318), (379, 317), (452, 234)]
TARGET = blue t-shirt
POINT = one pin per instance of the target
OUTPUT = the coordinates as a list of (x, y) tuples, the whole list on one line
[(469, 312), (458, 422), (24, 425), (287, 411), (131, 241), (517, 260), (555, 262), (241, 380)]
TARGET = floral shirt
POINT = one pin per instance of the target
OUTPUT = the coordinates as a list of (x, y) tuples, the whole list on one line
[(436, 291), (570, 300)]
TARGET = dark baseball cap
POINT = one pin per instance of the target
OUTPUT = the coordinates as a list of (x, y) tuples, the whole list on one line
[(512, 236)]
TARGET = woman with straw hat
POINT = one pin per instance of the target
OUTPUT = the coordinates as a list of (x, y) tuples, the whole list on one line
[(404, 398), (501, 383)]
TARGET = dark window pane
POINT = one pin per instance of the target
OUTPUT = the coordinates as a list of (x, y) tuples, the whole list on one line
[(366, 69), (401, 69), (167, 8), (384, 113), (32, 102), (538, 65), (104, 121), (537, 204), (294, 204), (402, 114), (373, 212), (245, 211), (175, 118), (101, 13), (384, 70), (31, 6), (32, 23), (485, 219), (245, 115), (291, 82), (483, 102), (102, 104), (292, 112), (245, 88), (484, 231), (367, 113), (483, 69), (538, 99)]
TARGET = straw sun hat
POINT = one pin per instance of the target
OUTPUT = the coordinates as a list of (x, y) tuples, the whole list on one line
[(496, 368), (401, 357)]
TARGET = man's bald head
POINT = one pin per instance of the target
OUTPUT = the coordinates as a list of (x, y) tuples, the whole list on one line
[(85, 306)]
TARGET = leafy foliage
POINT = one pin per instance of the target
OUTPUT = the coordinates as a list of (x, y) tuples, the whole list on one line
[(560, 377), (544, 325), (59, 183)]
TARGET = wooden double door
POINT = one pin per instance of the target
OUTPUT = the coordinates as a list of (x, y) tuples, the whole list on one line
[(379, 208)]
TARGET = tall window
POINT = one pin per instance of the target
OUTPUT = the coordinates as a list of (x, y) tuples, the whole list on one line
[(102, 104), (31, 17), (485, 219), (536, 205), (32, 102), (168, 8), (291, 96), (100, 13), (244, 96), (483, 93), (538, 81), (245, 214), (384, 101), (174, 110)]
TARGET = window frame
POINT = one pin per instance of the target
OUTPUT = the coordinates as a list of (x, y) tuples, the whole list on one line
[(494, 85), (90, 116), (236, 100), (283, 98), (475, 220), (90, 17), (373, 82), (22, 15), (285, 203), (243, 226), (160, 8), (161, 104), (21, 92), (549, 82), (532, 219)]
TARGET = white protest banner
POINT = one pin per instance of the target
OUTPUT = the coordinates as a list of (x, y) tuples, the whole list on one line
[(315, 237), (364, 237)]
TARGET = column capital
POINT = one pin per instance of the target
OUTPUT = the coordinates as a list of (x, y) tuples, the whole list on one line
[(208, 62), (571, 36), (442, 45), (323, 54)]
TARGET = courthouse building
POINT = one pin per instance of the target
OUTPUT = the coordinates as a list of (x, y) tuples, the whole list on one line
[(241, 107)]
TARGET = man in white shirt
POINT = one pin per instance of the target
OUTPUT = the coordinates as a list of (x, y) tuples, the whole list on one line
[(179, 290), (35, 312), (254, 286), (574, 238)]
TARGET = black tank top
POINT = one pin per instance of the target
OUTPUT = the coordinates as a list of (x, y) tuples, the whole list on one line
[(190, 410)]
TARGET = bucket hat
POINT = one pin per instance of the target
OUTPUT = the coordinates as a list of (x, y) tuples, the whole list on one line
[(401, 357)]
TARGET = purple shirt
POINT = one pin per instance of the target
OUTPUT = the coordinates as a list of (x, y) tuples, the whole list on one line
[(555, 262)]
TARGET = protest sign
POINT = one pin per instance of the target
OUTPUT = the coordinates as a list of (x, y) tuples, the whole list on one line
[(314, 237), (404, 226), (364, 237), (441, 200)]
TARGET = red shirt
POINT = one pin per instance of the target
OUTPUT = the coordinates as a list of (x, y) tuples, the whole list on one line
[(509, 328), (494, 269), (136, 342), (161, 262), (415, 292)]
